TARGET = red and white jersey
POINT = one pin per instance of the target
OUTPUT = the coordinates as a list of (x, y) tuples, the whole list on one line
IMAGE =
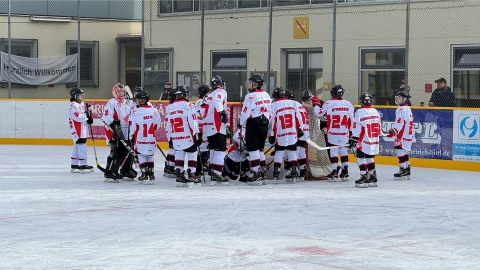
[(77, 119), (339, 113), (181, 124), (200, 111), (144, 124), (367, 127), (233, 152), (284, 122), (215, 103), (256, 103), (304, 122), (404, 127), (116, 110)]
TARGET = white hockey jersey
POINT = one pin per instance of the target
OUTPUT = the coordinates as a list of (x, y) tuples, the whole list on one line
[(233, 153), (144, 124), (215, 103), (256, 103), (181, 124), (200, 111), (284, 122), (404, 127), (77, 119), (339, 113), (304, 122), (116, 110), (366, 126)]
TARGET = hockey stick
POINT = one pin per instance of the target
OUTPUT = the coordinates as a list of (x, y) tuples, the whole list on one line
[(161, 151), (200, 158), (270, 148), (240, 137), (95, 151), (310, 142)]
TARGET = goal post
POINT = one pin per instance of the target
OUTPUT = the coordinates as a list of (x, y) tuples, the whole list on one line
[(318, 161)]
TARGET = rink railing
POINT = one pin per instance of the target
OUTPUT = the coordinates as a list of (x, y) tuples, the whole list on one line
[(446, 138)]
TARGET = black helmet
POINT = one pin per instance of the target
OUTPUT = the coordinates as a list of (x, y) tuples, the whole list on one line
[(75, 92), (180, 92), (405, 96), (256, 79), (365, 99), (278, 92), (306, 95), (171, 95), (289, 94), (337, 91), (137, 89), (216, 80), (143, 97), (203, 90)]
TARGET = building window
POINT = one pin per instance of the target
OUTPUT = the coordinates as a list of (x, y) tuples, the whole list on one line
[(304, 71), (382, 71), (178, 6), (232, 67), (466, 75), (20, 47), (157, 71), (89, 61)]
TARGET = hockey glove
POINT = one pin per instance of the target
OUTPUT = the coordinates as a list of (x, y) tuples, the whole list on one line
[(89, 117), (224, 117), (316, 101), (300, 132), (353, 142), (229, 131), (392, 132), (271, 139), (199, 139)]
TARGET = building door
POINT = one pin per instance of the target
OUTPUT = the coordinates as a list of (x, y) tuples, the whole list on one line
[(304, 71)]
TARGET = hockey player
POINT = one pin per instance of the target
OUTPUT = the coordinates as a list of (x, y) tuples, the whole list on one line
[(305, 126), (366, 130), (284, 132), (183, 131), (339, 113), (169, 170), (255, 115), (116, 115), (144, 124), (402, 131), (236, 161), (200, 110), (214, 128), (79, 117)]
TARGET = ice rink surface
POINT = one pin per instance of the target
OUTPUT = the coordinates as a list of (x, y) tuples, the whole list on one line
[(53, 219)]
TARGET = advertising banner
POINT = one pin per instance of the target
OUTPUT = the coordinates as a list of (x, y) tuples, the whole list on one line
[(466, 135), (38, 71), (432, 133)]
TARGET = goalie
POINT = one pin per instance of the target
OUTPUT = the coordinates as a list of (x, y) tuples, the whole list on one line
[(236, 161)]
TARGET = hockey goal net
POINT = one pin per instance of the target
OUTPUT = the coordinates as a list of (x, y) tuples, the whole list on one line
[(318, 162)]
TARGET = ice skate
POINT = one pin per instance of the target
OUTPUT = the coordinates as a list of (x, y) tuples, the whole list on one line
[(333, 176), (402, 174), (344, 174), (263, 174), (181, 180), (362, 182), (151, 176), (293, 176), (276, 174), (109, 177), (302, 174), (193, 179), (74, 168), (85, 169), (372, 179), (144, 176), (217, 179)]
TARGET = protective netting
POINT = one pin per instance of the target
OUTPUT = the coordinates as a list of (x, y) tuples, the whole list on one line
[(318, 162)]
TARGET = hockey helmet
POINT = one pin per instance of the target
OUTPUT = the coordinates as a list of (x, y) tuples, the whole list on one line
[(171, 95), (75, 92), (215, 81), (337, 91), (257, 82), (278, 92), (404, 95), (180, 92), (203, 90), (143, 97), (137, 89), (306, 95), (118, 92), (289, 94), (365, 99)]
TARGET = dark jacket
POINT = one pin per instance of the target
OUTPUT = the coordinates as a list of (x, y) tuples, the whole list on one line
[(443, 97)]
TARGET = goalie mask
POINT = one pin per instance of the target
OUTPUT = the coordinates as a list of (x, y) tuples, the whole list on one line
[(118, 92), (77, 94)]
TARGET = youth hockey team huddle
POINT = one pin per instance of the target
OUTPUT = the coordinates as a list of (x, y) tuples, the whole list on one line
[(197, 133)]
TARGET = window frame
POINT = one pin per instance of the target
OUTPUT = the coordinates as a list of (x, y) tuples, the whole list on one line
[(33, 43), (470, 95), (95, 61)]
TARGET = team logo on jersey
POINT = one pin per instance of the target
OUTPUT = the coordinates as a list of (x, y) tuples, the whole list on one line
[(468, 126)]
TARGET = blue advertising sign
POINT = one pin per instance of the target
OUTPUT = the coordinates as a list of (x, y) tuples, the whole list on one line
[(466, 135), (432, 133)]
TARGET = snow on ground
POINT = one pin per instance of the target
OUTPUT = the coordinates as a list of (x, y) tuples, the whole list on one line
[(53, 219)]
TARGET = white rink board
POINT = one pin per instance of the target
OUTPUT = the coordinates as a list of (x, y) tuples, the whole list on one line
[(52, 219)]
